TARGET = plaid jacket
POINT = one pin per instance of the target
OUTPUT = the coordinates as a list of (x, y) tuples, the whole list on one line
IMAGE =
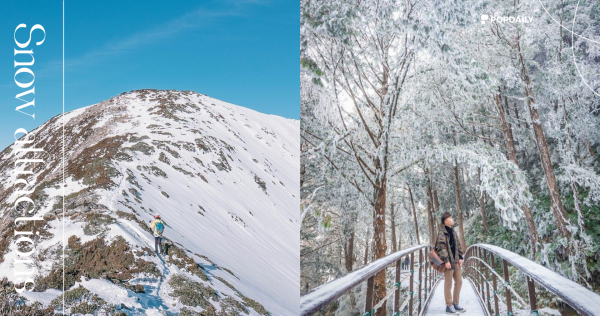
[(443, 239)]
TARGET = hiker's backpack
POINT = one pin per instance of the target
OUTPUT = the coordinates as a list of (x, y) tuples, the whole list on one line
[(160, 227)]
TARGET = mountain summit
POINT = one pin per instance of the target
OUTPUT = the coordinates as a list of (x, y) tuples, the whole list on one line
[(225, 180)]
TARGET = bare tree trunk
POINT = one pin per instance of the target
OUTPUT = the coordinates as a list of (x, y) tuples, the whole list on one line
[(437, 202), (482, 194), (349, 256), (512, 155), (540, 140), (458, 207), (573, 184), (590, 148), (414, 211), (482, 202), (510, 130), (430, 220), (393, 220), (379, 247), (399, 242), (436, 208), (367, 239), (430, 210)]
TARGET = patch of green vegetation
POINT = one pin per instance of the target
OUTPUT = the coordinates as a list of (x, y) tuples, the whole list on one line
[(142, 147), (134, 218), (123, 156), (38, 193), (192, 293), (96, 259), (179, 257), (189, 146), (261, 183), (72, 296), (174, 144), (97, 223), (162, 157), (69, 200), (84, 308), (154, 170), (227, 146), (222, 164), (98, 171), (254, 305), (162, 133), (157, 172), (229, 306), (226, 283), (202, 144), (207, 259), (80, 300), (247, 301), (126, 215), (135, 193), (199, 161), (188, 312), (202, 177), (8, 296), (146, 178), (187, 173), (163, 145), (136, 288), (93, 164), (135, 139)]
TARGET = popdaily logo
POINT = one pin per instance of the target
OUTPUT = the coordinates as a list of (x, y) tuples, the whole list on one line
[(505, 19)]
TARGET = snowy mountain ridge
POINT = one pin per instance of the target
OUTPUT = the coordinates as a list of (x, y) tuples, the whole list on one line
[(224, 178)]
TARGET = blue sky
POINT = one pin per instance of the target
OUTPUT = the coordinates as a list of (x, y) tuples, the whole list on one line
[(242, 52)]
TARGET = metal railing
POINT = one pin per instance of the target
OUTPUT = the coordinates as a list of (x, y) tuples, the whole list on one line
[(320, 297), (482, 262)]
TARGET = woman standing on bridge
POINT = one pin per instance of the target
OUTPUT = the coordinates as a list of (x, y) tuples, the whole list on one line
[(449, 248)]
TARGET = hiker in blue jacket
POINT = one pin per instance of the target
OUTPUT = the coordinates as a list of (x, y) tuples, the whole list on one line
[(158, 227)]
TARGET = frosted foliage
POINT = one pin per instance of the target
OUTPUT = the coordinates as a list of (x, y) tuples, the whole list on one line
[(501, 179), (585, 178)]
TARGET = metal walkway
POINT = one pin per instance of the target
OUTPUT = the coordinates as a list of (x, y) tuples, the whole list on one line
[(468, 300)]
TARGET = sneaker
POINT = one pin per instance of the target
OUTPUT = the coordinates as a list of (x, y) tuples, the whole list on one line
[(459, 309), (450, 310)]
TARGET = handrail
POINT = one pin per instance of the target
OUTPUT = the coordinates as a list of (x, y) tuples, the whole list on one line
[(507, 286), (319, 297), (578, 297)]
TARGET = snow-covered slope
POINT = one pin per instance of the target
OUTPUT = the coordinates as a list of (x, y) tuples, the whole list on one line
[(224, 178)]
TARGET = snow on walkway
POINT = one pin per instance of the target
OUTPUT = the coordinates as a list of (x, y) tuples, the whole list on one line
[(468, 300)]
